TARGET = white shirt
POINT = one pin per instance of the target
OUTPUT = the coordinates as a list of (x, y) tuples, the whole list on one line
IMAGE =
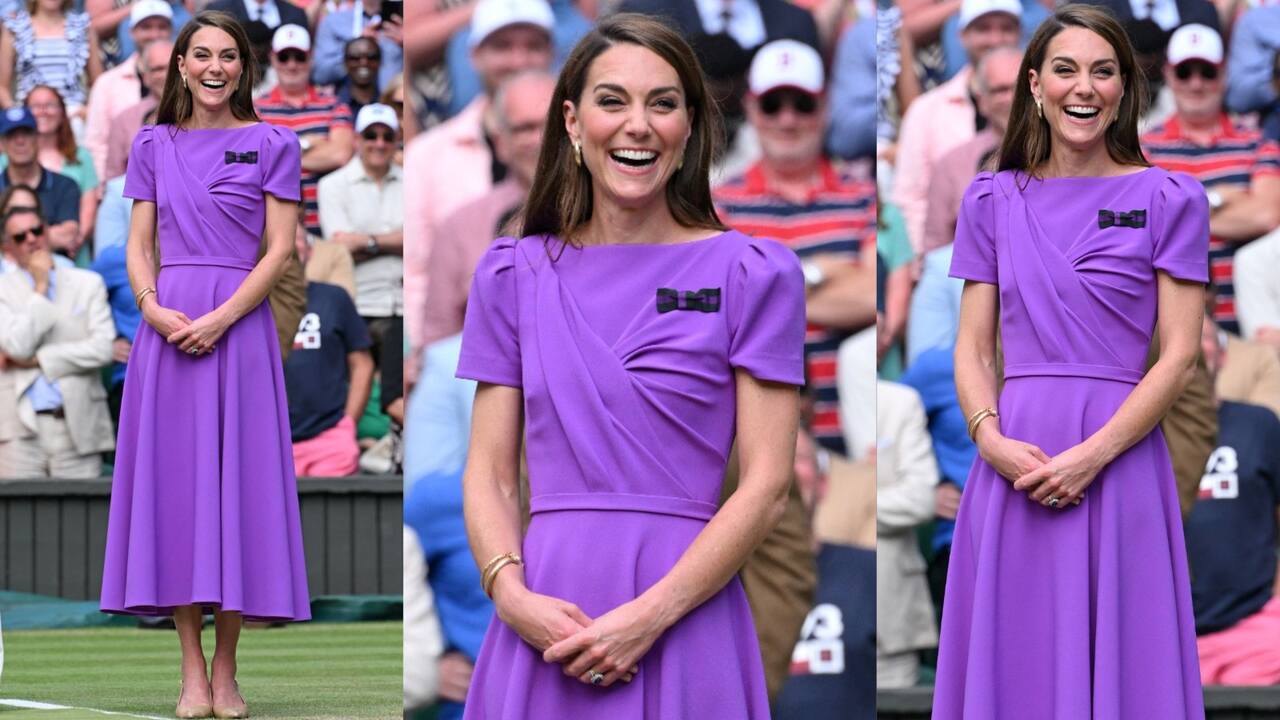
[(264, 11), (351, 201), (746, 24), (1163, 12)]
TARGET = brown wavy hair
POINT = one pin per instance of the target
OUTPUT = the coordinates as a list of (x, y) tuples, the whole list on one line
[(1027, 141), (175, 102), (560, 198), (66, 138)]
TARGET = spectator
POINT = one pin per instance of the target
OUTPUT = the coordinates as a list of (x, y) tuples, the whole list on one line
[(55, 336), (1256, 278), (906, 475), (110, 20), (272, 13), (1168, 14), (853, 93), (1240, 170), (1271, 124), (322, 122), (59, 196), (122, 86), (994, 80), (48, 45), (328, 377), (58, 152), (945, 117), (1034, 12), (359, 87), (1244, 372), (451, 164), (260, 37), (153, 64), (751, 23), (22, 196), (110, 264), (796, 195), (360, 20), (1254, 45), (520, 111), (466, 78), (362, 209), (1231, 543)]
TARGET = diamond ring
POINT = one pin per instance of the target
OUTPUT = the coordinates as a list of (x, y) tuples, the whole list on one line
[(596, 678)]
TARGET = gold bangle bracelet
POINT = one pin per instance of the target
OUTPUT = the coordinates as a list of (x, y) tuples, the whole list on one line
[(143, 293), (487, 582), (489, 565), (973, 429)]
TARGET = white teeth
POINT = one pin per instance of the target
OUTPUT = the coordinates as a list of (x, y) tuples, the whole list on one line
[(1081, 109), (638, 155), (214, 85)]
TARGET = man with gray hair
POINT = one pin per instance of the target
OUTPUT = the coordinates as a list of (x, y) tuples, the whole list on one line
[(153, 66)]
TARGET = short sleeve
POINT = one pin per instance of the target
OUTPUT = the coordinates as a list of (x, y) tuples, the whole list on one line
[(140, 176), (1180, 226), (765, 303), (974, 251), (490, 335), (281, 164)]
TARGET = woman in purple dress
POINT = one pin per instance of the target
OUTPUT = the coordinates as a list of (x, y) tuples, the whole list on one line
[(1068, 593), (631, 337), (204, 509)]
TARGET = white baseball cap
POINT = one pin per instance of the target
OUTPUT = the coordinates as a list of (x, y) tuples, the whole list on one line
[(291, 37), (143, 9), (1195, 42), (491, 16), (786, 63), (971, 10), (376, 114)]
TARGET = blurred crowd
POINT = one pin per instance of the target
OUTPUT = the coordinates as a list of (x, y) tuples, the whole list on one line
[(78, 78), (943, 102), (796, 83)]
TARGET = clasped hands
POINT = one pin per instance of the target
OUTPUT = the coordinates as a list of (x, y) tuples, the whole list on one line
[(1065, 476), (200, 335), (610, 645)]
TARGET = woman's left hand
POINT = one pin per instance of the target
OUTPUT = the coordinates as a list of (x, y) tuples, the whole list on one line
[(1065, 476), (611, 645), (201, 335)]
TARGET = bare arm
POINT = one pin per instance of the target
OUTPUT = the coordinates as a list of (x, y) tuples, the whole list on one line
[(768, 416), (1245, 216), (331, 153), (360, 368), (847, 299), (8, 58), (94, 68), (104, 18), (923, 19), (427, 32)]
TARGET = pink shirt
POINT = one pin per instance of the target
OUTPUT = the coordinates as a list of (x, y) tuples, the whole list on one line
[(444, 168), (951, 177), (124, 126), (114, 91), (461, 240), (936, 122)]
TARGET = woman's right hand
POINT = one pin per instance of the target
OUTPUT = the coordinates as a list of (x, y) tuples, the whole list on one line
[(165, 320), (1011, 458), (541, 620)]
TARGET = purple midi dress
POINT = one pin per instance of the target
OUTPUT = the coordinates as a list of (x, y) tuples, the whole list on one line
[(629, 409), (204, 505), (1082, 612)]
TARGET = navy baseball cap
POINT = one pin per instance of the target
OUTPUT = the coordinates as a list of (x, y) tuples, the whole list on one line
[(17, 117)]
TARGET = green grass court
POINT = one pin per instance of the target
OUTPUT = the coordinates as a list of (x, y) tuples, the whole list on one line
[(305, 671)]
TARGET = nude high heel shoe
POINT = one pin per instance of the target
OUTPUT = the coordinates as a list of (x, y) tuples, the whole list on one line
[(197, 710), (232, 711)]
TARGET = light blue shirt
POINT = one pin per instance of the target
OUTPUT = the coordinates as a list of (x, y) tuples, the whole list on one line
[(1254, 45), (439, 422), (111, 228), (43, 393), (335, 30), (935, 306), (852, 131)]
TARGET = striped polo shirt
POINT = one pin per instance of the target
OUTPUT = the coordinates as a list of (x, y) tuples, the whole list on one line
[(1234, 157), (315, 116), (839, 217)]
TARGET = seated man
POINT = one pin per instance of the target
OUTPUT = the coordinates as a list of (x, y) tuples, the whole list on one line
[(56, 334), (59, 194), (327, 378)]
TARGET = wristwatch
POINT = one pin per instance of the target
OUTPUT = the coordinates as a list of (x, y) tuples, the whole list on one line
[(304, 143), (813, 276), (1215, 200), (371, 247)]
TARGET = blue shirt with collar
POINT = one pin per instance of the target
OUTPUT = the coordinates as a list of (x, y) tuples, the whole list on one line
[(328, 52)]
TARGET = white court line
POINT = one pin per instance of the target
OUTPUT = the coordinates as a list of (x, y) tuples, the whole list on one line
[(33, 705)]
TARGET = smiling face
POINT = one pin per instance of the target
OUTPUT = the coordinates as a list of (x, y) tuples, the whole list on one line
[(362, 58), (47, 109), (212, 66), (1080, 87), (632, 122)]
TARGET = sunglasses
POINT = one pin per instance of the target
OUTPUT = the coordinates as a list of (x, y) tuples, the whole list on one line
[(285, 56), (363, 57), (1185, 70), (385, 135), (771, 103), (19, 238)]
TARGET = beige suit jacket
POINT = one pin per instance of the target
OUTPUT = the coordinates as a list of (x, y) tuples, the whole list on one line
[(1251, 374), (70, 337)]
